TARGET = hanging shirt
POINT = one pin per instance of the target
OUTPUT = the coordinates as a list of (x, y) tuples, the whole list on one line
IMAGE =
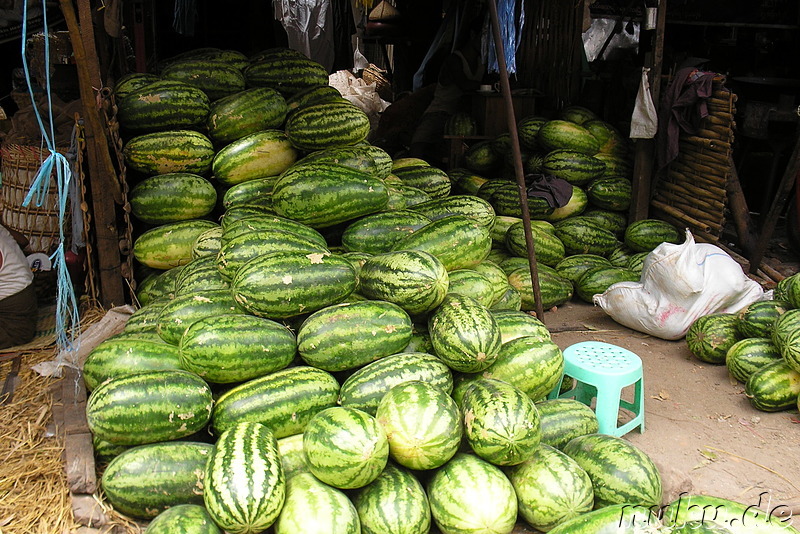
[(15, 273)]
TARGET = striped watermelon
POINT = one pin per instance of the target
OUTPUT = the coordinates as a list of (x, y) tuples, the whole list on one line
[(613, 194), (564, 419), (464, 334), (572, 267), (457, 241), (415, 280), (144, 481), (470, 495), (378, 232), (785, 326), (471, 283), (200, 275), (646, 234), (244, 113), (361, 157), (598, 279), (236, 347), (313, 506), (293, 458), (347, 336), (620, 472), (269, 222), (169, 151), (578, 168), (345, 447), (326, 125), (257, 155), (774, 387), (395, 502), (365, 387), (514, 324), (432, 180), (497, 278), (132, 81), (288, 73), (251, 192), (611, 140), (414, 445), (528, 131), (577, 114), (583, 235), (169, 245), (209, 53), (113, 358), (747, 355), (551, 488), (501, 423), (613, 519), (324, 194), (184, 518), (146, 317), (245, 487), (556, 133), (468, 205), (287, 284), (693, 509), (163, 105), (757, 319), (149, 407), (578, 202), (207, 243), (217, 79), (531, 364), (284, 400), (614, 221), (549, 248), (172, 197), (710, 336), (553, 289), (179, 313)]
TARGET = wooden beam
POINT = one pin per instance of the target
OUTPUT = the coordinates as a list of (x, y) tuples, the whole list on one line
[(105, 188)]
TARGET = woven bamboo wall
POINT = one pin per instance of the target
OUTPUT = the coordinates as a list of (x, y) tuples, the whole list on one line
[(692, 192), (549, 57)]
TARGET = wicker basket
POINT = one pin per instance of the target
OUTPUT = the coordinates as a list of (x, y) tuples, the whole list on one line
[(40, 224)]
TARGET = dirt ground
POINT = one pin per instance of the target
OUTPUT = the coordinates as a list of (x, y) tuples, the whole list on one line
[(699, 427)]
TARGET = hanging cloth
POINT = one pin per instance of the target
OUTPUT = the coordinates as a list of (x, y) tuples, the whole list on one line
[(510, 32), (309, 27)]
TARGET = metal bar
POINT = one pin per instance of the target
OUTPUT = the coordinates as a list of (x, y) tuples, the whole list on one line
[(505, 88)]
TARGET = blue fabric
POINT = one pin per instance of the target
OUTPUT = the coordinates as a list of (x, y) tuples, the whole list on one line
[(510, 33)]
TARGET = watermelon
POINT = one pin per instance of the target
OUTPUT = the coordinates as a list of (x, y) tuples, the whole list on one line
[(626, 518), (217, 79), (582, 235), (207, 243), (784, 328), (620, 472), (378, 232), (506, 201), (688, 509), (564, 419), (324, 194), (172, 197), (531, 364), (498, 280), (572, 267), (208, 53), (269, 222), (561, 134), (395, 502), (461, 124), (549, 248), (464, 334), (362, 157), (169, 151), (578, 168), (415, 280), (200, 274), (471, 283), (280, 285), (287, 72), (757, 319), (250, 192), (184, 518), (244, 113), (528, 131), (432, 180), (577, 204), (232, 348), (257, 155), (596, 280), (179, 313), (313, 506), (284, 400), (245, 487), (345, 447), (470, 495), (773, 387), (514, 324), (613, 194), (132, 81), (116, 357), (710, 336), (457, 241), (144, 481), (326, 125), (468, 205), (148, 407), (414, 445), (480, 157), (365, 387), (163, 105), (501, 423), (614, 221), (169, 245), (747, 355), (611, 140), (646, 234), (553, 289), (350, 335), (551, 488)]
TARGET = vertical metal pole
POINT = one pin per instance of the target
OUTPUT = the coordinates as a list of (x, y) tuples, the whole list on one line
[(517, 153)]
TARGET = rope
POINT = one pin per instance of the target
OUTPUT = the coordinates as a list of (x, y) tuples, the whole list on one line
[(67, 312)]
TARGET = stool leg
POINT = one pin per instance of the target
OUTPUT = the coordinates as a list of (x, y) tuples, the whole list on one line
[(585, 392), (607, 410)]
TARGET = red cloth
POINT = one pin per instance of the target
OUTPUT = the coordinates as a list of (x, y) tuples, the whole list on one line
[(683, 107)]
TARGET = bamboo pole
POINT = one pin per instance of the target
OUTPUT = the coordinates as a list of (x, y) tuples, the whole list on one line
[(692, 211), (739, 211), (678, 214), (517, 153)]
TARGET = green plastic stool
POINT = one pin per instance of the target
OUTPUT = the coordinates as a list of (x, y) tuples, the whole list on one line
[(602, 370)]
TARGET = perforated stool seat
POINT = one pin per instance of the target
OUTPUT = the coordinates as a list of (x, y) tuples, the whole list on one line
[(602, 371)]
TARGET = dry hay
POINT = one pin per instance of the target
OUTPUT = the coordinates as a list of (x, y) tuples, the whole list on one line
[(34, 497)]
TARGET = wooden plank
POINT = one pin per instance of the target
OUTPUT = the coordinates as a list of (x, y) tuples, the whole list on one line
[(78, 451)]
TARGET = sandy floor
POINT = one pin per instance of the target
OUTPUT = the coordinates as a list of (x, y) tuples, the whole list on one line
[(700, 428)]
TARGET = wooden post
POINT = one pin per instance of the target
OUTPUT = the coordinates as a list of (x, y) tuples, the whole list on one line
[(740, 213), (517, 152), (105, 188)]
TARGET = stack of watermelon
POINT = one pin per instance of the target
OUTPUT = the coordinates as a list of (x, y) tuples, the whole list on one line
[(759, 345)]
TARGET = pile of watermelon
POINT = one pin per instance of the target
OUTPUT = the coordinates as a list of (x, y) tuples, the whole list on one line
[(760, 345), (332, 340)]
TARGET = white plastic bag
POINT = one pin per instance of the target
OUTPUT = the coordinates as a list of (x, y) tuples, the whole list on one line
[(644, 121), (362, 94), (679, 284)]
